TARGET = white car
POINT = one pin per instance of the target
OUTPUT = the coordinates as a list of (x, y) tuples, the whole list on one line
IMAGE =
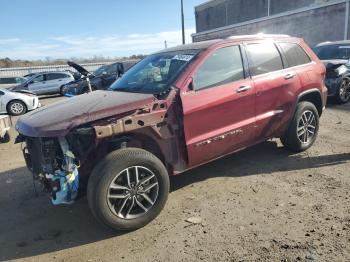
[(17, 103)]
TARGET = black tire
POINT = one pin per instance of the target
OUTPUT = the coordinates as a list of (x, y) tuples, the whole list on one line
[(343, 92), (6, 138), (16, 108), (291, 140), (61, 91), (106, 172)]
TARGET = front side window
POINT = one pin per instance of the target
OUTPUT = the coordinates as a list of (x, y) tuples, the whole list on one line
[(154, 74), (38, 78), (294, 54), (222, 67), (263, 58)]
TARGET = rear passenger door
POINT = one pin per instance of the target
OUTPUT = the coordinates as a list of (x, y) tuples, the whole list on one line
[(219, 114), (276, 88)]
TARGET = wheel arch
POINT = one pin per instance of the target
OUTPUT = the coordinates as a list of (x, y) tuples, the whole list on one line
[(19, 100), (312, 96)]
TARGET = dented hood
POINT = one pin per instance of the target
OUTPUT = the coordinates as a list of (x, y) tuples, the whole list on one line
[(59, 118)]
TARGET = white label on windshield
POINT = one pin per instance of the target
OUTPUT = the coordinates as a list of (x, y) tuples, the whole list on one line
[(344, 47), (183, 57)]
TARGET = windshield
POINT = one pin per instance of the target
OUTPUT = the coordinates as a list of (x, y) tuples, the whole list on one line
[(154, 74), (329, 52)]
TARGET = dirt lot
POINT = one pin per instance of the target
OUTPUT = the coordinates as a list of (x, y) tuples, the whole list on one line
[(262, 204)]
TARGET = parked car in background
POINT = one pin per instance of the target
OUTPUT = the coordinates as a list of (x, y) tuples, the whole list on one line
[(45, 83), (173, 111), (335, 56), (17, 102), (100, 79), (6, 82)]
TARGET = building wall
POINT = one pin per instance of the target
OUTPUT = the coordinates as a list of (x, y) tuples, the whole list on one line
[(315, 26), (219, 13)]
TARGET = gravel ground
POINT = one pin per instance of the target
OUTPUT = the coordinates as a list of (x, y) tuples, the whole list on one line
[(261, 204)]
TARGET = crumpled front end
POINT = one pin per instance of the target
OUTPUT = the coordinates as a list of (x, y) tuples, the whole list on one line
[(54, 166)]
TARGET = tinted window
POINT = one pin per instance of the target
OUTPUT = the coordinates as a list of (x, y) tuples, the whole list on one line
[(54, 76), (8, 80), (1, 93), (295, 55), (222, 67), (38, 78), (329, 52), (263, 58)]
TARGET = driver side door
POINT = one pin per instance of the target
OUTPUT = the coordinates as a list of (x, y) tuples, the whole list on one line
[(219, 113), (38, 84)]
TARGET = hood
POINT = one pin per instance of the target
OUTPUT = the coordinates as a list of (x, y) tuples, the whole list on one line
[(334, 63), (79, 68), (58, 119)]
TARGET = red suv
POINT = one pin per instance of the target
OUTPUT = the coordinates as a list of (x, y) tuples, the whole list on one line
[(174, 110)]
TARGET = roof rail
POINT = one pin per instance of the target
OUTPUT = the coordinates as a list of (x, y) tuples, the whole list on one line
[(259, 35)]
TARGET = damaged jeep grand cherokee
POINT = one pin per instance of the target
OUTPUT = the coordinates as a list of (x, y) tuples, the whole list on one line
[(174, 110)]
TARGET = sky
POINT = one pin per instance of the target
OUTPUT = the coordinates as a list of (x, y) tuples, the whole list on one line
[(42, 29)]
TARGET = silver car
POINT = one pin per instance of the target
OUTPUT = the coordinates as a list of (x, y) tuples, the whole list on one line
[(45, 83), (17, 103)]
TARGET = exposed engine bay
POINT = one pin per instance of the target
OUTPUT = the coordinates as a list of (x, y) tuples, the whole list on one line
[(54, 166)]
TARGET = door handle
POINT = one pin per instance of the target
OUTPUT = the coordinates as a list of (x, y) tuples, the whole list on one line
[(243, 89), (289, 76), (60, 80)]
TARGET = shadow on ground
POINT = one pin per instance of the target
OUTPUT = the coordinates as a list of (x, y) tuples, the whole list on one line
[(31, 226)]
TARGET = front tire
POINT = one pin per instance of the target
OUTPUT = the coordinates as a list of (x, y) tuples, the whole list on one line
[(16, 108), (343, 93), (303, 129), (128, 189)]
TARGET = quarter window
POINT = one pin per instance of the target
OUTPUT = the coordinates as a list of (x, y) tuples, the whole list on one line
[(264, 58), (222, 67), (294, 54)]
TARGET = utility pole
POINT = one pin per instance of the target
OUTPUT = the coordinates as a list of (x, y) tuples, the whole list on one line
[(346, 26), (183, 22), (165, 44)]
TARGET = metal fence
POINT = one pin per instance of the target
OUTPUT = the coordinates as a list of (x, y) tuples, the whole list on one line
[(21, 71)]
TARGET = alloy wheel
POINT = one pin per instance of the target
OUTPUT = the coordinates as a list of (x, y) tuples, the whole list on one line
[(307, 127), (344, 90), (17, 108), (132, 192)]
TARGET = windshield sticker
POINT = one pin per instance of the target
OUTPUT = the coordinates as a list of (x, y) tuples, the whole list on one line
[(344, 47), (183, 57)]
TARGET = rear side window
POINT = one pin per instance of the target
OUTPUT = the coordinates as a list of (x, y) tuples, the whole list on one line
[(222, 67), (294, 54), (54, 76), (263, 58)]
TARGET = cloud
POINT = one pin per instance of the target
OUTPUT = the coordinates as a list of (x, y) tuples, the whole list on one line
[(88, 46)]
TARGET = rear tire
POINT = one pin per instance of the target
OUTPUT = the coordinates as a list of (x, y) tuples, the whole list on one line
[(119, 195), (303, 129), (61, 91), (16, 108)]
